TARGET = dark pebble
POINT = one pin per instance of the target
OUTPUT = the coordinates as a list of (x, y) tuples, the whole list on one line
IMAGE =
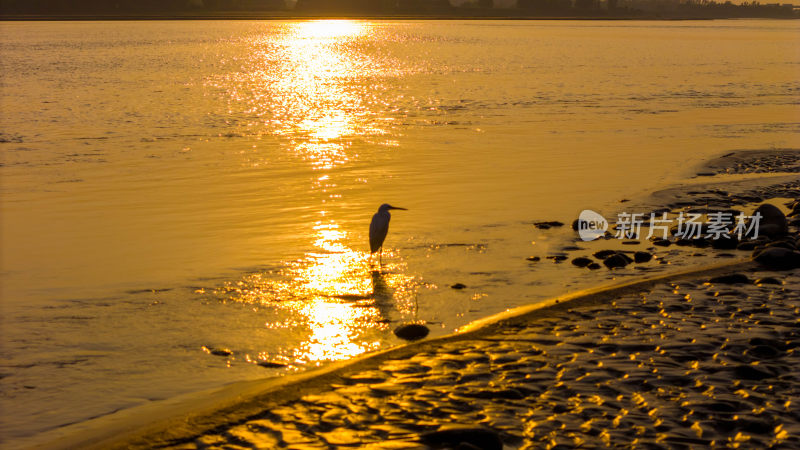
[(773, 221), (662, 242), (557, 258), (778, 258), (411, 331), (616, 260), (547, 225), (733, 278), (270, 364), (603, 254), (533, 258), (631, 242), (642, 257), (221, 352), (594, 266), (458, 286), (581, 261)]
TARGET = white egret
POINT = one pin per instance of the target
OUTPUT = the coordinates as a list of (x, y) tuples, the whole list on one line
[(379, 227)]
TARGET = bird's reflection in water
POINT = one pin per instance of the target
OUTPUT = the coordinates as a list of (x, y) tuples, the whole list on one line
[(381, 292), (382, 295)]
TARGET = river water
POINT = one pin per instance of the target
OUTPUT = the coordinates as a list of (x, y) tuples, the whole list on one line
[(170, 188)]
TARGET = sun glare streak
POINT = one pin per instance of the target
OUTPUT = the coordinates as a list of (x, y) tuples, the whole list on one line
[(329, 29), (332, 297), (320, 61), (311, 83)]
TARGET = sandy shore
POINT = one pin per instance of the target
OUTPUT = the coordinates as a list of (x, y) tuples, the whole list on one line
[(676, 362), (680, 360), (687, 363)]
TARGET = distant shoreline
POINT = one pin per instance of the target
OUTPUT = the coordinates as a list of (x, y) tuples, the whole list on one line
[(276, 15)]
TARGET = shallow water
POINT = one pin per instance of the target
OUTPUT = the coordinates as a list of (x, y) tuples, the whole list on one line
[(172, 185)]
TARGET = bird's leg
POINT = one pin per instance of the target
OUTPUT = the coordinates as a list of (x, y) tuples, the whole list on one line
[(380, 257)]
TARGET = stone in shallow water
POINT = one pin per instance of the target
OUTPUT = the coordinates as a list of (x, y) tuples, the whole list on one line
[(548, 224), (411, 331), (603, 254), (271, 364), (642, 257), (778, 258), (616, 261), (458, 286), (581, 261), (773, 221), (219, 351)]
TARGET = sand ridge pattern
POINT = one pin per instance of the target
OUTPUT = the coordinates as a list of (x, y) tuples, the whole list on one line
[(694, 364)]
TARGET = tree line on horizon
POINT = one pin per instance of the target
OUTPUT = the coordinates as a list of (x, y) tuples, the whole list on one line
[(667, 8)]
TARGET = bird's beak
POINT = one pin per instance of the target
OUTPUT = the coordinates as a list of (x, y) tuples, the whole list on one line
[(397, 207)]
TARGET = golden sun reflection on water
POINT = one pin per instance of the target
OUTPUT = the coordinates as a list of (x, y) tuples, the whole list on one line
[(309, 88), (312, 84), (334, 297)]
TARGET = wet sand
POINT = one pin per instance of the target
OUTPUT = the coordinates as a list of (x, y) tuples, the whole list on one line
[(676, 362), (697, 359), (681, 364)]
